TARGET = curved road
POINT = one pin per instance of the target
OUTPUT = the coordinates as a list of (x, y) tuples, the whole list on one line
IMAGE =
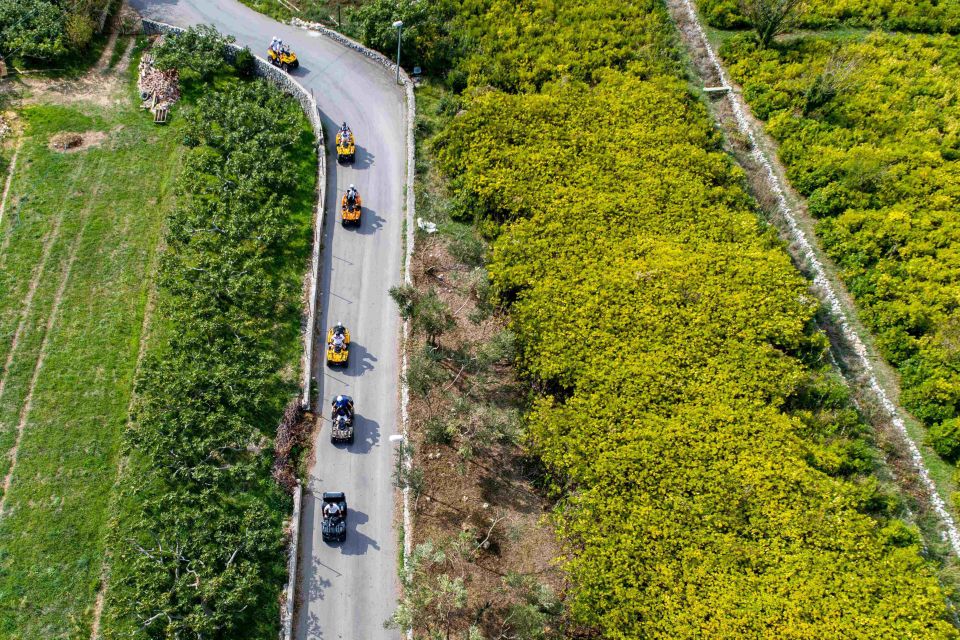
[(345, 591)]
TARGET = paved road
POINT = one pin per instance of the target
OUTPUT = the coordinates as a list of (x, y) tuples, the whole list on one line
[(346, 592)]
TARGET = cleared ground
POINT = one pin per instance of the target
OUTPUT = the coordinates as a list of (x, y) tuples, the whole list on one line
[(78, 243)]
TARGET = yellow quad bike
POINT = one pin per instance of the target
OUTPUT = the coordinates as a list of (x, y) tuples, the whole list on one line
[(350, 213), (284, 58), (338, 351), (346, 147)]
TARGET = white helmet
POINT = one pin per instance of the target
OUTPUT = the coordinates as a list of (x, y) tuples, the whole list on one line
[(352, 187)]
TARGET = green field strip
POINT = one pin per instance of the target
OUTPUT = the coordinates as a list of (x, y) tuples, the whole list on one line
[(53, 534)]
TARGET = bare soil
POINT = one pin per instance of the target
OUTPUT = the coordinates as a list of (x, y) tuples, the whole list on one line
[(490, 496), (71, 142)]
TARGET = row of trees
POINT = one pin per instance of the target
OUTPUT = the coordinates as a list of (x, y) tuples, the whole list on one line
[(199, 549), (48, 29), (869, 133), (715, 478)]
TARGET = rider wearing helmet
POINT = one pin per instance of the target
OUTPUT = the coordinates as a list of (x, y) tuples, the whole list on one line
[(338, 335), (342, 405)]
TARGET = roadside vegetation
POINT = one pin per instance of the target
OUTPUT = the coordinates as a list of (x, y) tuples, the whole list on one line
[(711, 474), (199, 542), (330, 12), (78, 246), (482, 561)]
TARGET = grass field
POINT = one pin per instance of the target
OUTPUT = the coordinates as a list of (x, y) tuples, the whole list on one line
[(77, 248)]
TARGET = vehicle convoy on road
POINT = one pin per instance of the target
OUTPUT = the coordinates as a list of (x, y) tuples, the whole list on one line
[(338, 345), (334, 516), (281, 56), (341, 420), (350, 207), (346, 145), (354, 271)]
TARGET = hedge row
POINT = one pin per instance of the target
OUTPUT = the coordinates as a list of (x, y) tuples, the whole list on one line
[(715, 479), (925, 16), (199, 549)]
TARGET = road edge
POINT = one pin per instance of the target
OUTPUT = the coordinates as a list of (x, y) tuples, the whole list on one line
[(410, 205)]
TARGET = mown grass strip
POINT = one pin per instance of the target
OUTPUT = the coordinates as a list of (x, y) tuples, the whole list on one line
[(52, 537)]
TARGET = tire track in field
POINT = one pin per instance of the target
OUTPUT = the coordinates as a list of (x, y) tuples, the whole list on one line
[(48, 329), (122, 464), (52, 235), (9, 181)]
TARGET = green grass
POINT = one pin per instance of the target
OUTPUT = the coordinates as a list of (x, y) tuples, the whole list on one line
[(87, 223), (119, 48), (317, 10)]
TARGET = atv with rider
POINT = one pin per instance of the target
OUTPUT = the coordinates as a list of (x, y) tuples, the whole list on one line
[(281, 56), (338, 345), (350, 207), (341, 419), (334, 516), (346, 146)]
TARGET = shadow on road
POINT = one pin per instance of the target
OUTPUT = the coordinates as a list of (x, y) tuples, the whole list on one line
[(357, 544), (366, 435), (370, 222), (363, 159), (317, 583), (361, 360), (300, 71)]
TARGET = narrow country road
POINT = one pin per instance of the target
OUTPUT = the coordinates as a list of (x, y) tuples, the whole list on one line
[(347, 591)]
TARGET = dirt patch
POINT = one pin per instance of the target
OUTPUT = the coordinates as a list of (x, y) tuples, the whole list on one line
[(71, 142), (480, 496)]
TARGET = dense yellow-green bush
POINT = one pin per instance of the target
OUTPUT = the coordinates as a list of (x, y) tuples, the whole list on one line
[(926, 16), (709, 492), (878, 161), (714, 479)]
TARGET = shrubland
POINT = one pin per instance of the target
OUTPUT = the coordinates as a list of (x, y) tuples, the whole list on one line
[(868, 130), (682, 411), (713, 477), (199, 543), (48, 29), (926, 16)]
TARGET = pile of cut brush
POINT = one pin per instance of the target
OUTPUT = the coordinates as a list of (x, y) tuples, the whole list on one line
[(159, 89), (291, 432)]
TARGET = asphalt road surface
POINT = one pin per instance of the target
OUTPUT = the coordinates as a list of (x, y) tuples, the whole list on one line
[(346, 591)]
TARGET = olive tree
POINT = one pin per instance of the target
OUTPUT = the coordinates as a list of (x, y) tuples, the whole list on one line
[(770, 18)]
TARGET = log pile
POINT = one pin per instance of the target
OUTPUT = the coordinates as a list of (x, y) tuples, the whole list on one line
[(158, 88), (291, 432)]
